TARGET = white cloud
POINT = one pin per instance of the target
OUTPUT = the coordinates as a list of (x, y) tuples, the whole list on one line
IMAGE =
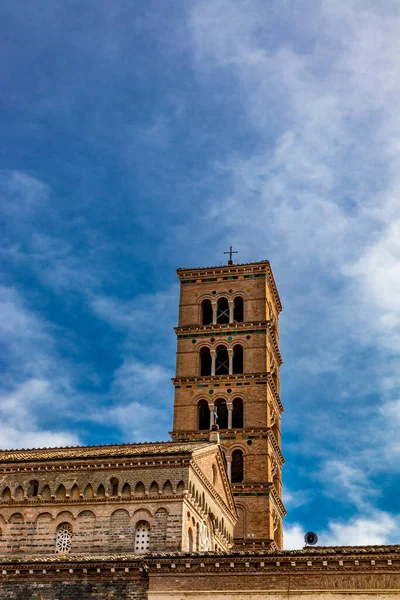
[(373, 528)]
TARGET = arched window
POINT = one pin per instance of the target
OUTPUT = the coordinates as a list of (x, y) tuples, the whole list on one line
[(237, 413), (126, 490), (142, 537), (33, 488), (238, 359), (114, 486), (190, 539), (238, 315), (222, 413), (64, 538), (222, 311), (6, 495), (237, 466), (205, 361), (222, 361), (204, 415), (206, 312)]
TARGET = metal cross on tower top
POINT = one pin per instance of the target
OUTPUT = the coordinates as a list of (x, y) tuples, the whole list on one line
[(230, 261)]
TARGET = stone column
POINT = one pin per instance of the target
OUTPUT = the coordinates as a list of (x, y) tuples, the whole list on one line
[(230, 354), (229, 467), (213, 359), (214, 309), (211, 407), (231, 309), (229, 407)]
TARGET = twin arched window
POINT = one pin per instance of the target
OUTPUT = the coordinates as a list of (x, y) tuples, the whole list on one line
[(222, 410), (222, 365), (222, 313)]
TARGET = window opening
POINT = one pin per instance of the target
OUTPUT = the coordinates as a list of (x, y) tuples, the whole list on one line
[(190, 539), (237, 466), (238, 313), (222, 311), (237, 413), (114, 486), (64, 539), (142, 537), (206, 312), (204, 415), (222, 414), (205, 362), (33, 488), (238, 359), (222, 361)]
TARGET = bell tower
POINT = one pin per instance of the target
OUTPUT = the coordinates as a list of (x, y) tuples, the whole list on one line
[(227, 372)]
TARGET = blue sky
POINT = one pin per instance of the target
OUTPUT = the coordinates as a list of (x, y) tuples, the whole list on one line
[(142, 137)]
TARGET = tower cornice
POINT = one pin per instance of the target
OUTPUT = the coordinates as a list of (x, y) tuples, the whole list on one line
[(218, 273)]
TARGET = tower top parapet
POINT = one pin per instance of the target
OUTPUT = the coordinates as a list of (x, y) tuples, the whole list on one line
[(259, 269)]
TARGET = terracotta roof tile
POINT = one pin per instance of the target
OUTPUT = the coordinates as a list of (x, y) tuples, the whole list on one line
[(112, 450)]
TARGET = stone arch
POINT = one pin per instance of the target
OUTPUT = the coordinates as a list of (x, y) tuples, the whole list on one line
[(6, 494), (203, 419), (180, 488), (238, 359), (240, 527), (237, 468), (167, 488), (119, 517), (19, 493), (154, 489), (238, 309), (33, 489), (16, 518), (114, 486), (61, 492), (88, 493), (205, 361), (158, 538), (101, 491), (190, 540), (64, 515), (237, 413), (140, 489), (206, 312), (44, 516), (126, 491), (222, 360), (86, 514), (75, 492), (222, 310), (45, 494)]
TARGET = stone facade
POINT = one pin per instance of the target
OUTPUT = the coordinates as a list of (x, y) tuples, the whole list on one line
[(147, 497), (183, 520), (359, 573), (224, 310)]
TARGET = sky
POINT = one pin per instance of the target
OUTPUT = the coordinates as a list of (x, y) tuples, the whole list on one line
[(139, 137)]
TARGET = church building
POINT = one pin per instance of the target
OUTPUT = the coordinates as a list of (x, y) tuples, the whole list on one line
[(198, 517)]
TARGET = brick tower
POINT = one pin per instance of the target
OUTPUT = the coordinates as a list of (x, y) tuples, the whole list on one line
[(227, 371)]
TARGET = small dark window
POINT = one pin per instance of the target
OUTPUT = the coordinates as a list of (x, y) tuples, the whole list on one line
[(205, 362), (114, 486), (222, 311), (204, 415), (238, 315), (33, 488), (222, 413), (206, 312), (237, 466), (238, 359), (222, 361), (237, 413)]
